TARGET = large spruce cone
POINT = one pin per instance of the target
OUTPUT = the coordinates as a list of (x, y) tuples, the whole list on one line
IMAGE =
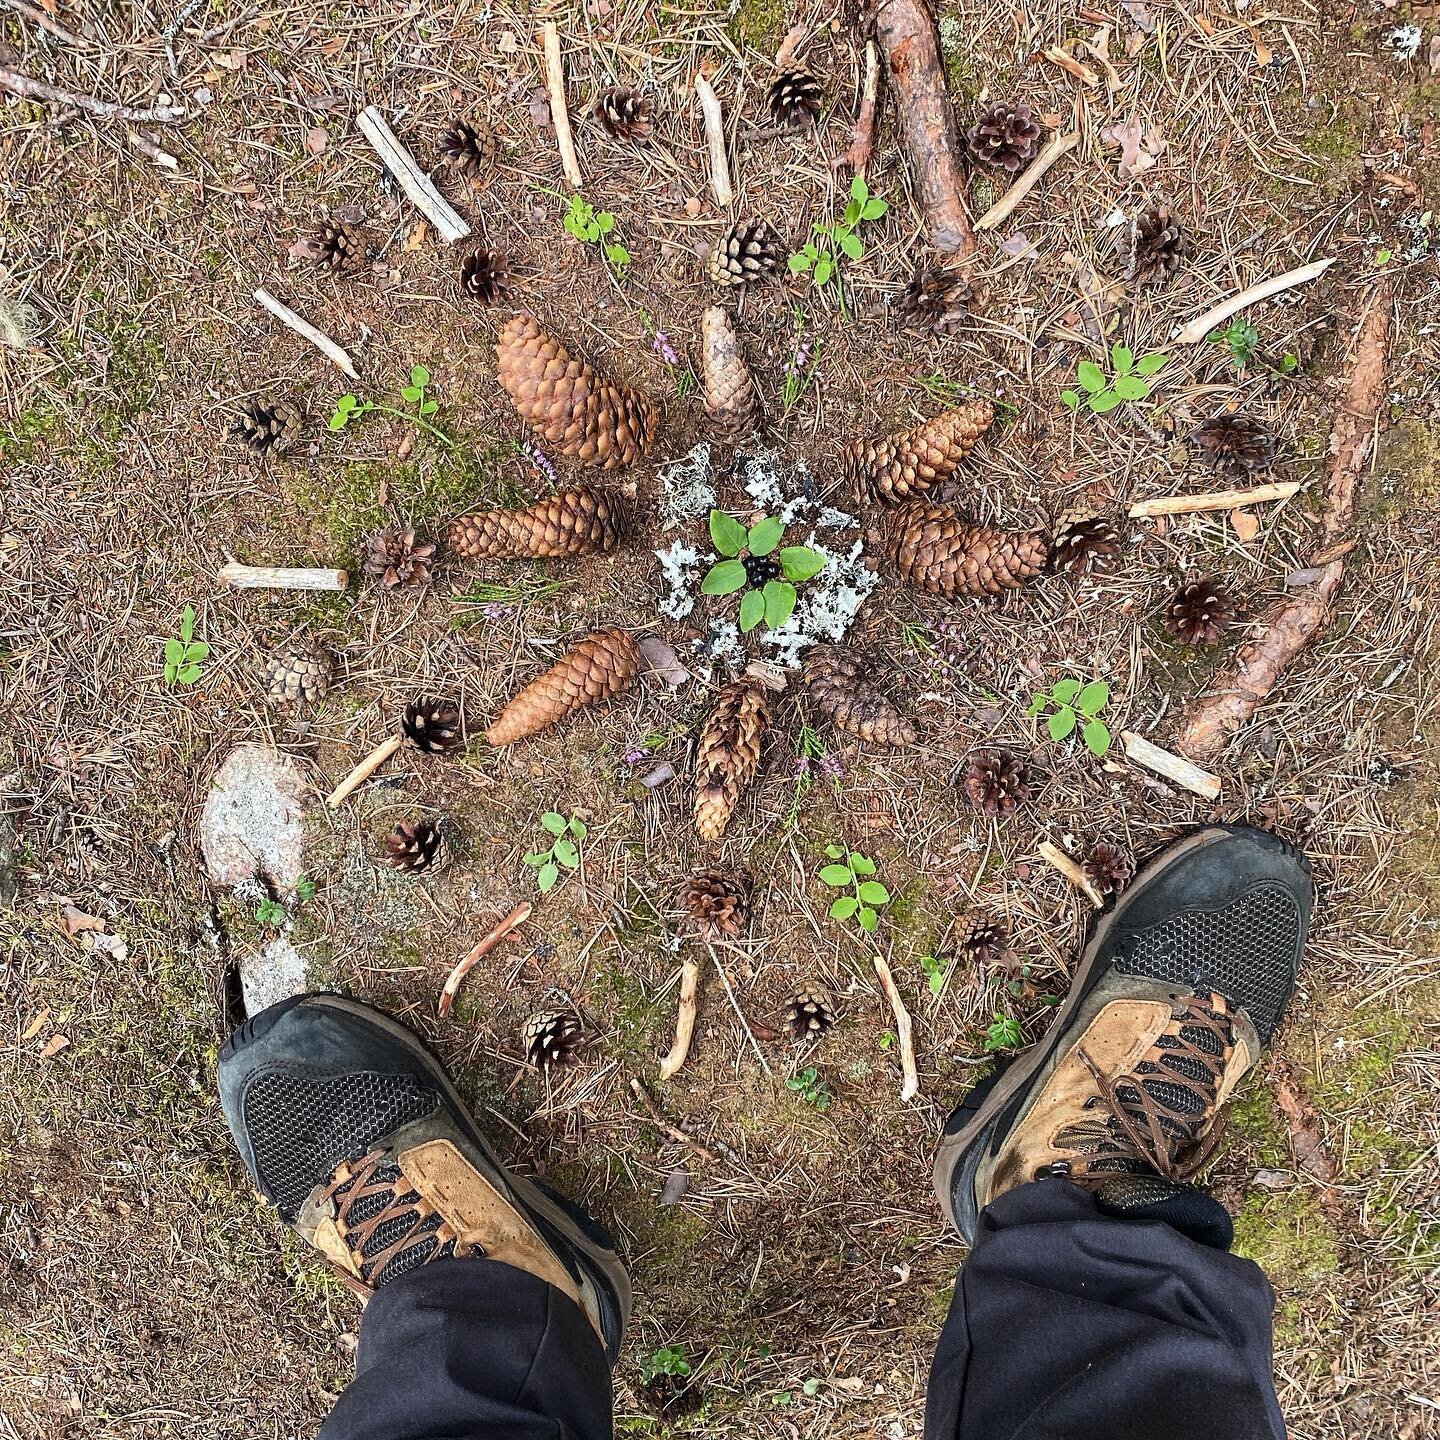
[(1005, 137), (727, 756), (625, 114), (1084, 543), (997, 782), (267, 429), (913, 462), (1235, 445), (746, 253), (937, 299), (729, 391), (713, 904), (467, 147), (940, 552), (398, 559), (601, 665), (578, 521), (485, 276), (1198, 613), (415, 846), (338, 248), (794, 97), (297, 675), (840, 692), (574, 407), (1156, 248)]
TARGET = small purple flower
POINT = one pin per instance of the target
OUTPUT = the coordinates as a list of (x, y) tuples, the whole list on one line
[(831, 767), (802, 765), (542, 461), (633, 755), (663, 348), (495, 610)]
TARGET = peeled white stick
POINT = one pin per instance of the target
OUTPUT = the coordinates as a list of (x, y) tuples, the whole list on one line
[(684, 1020), (1215, 500), (1173, 767), (303, 328), (518, 916), (1001, 209), (365, 769), (271, 577), (559, 114), (1057, 859), (1197, 329), (715, 139), (413, 180), (903, 1033)]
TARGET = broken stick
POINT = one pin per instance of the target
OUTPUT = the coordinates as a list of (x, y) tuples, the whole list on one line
[(384, 751), (862, 142), (1215, 500), (1057, 859), (303, 328), (275, 577), (32, 89), (559, 112), (413, 180), (1173, 767), (903, 1032), (684, 1020), (518, 916), (1002, 208), (1194, 331), (714, 140), (680, 1136)]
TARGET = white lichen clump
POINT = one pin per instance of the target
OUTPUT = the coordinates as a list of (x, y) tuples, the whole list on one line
[(18, 323), (789, 495), (680, 570), (685, 489), (1404, 41), (828, 604)]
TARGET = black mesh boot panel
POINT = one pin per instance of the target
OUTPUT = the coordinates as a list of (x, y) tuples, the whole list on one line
[(1182, 1207)]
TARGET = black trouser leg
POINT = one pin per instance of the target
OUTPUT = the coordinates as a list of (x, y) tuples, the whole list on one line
[(1069, 1323), (461, 1349)]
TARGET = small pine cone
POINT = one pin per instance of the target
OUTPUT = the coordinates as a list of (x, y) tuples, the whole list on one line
[(1198, 613), (1108, 868), (570, 404), (729, 390), (840, 692), (1084, 543), (937, 299), (727, 755), (913, 462), (794, 97), (1235, 445), (939, 552), (578, 521), (601, 665), (745, 254), (468, 148), (415, 846), (1155, 248), (432, 725), (625, 114), (485, 276), (338, 248), (810, 1015), (267, 429), (552, 1038), (714, 904), (298, 676), (997, 781), (1005, 137), (984, 939), (398, 559)]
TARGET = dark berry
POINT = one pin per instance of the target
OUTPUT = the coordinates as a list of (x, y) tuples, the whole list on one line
[(761, 568)]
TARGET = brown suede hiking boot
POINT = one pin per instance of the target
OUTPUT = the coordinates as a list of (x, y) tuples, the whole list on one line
[(1176, 994)]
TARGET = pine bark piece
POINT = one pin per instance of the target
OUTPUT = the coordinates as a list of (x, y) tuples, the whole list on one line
[(578, 521), (841, 693), (729, 389), (939, 551), (727, 757), (913, 462), (571, 404), (600, 666)]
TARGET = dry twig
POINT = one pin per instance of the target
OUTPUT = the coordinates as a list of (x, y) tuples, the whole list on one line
[(413, 180), (684, 1020), (518, 916), (904, 1033), (36, 16), (559, 112), (1215, 500), (303, 328), (1173, 767), (273, 577), (1057, 859), (715, 140), (384, 751), (1029, 178), (857, 154), (672, 1130), (1194, 331), (32, 89)]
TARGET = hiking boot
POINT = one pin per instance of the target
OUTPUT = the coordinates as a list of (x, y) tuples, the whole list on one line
[(352, 1129), (1176, 994)]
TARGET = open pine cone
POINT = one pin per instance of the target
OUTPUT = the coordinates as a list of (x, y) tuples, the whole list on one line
[(398, 559), (552, 1038), (468, 148), (713, 904), (810, 1014), (625, 114), (1156, 248), (1235, 445), (937, 299), (913, 462), (983, 939), (297, 676), (338, 248), (579, 521), (840, 691), (267, 429), (1006, 137), (939, 551), (1084, 543), (415, 846), (432, 725), (997, 781), (485, 276), (727, 754), (794, 97), (1198, 613), (745, 254), (601, 665), (1108, 868)]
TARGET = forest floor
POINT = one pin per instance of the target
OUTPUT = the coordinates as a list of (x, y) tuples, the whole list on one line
[(803, 1276)]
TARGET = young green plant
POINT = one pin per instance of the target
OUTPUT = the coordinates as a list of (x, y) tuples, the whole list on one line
[(772, 601), (564, 849), (596, 227), (1073, 704), (184, 657), (1130, 381), (1242, 340), (852, 871), (1003, 1034), (840, 241), (349, 407), (809, 1086), (667, 1361)]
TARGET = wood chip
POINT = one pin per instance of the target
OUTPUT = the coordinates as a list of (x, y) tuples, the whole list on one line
[(53, 1046)]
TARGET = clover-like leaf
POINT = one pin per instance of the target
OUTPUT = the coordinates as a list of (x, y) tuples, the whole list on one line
[(578, 828), (869, 920), (174, 652), (859, 189), (800, 562), (799, 263), (1093, 698), (1090, 376), (874, 208), (566, 853), (1096, 736), (765, 536), (752, 610), (844, 907), (549, 874), (851, 244), (189, 674), (554, 822), (535, 857), (1105, 400), (411, 393), (1065, 690), (1122, 358), (1070, 399), (723, 579), (862, 864), (727, 533), (779, 600), (419, 375), (834, 851), (1149, 364), (172, 673), (1131, 387), (1061, 723), (824, 268), (836, 875), (872, 892)]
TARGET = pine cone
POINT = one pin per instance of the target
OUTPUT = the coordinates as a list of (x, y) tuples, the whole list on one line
[(577, 521), (1108, 868), (745, 254), (913, 462), (1198, 613), (398, 560), (937, 551), (1235, 445), (729, 391), (714, 904), (468, 148), (574, 407), (339, 249), (810, 1015), (432, 725), (984, 939), (997, 781), (625, 114), (267, 429), (485, 276), (1084, 543), (937, 299), (552, 1038), (415, 846), (601, 665), (840, 692), (1005, 137), (298, 675), (794, 97), (1156, 248), (727, 755)]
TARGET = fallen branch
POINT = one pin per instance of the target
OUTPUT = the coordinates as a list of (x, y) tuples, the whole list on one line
[(559, 113), (1215, 500), (740, 1014), (146, 146), (518, 916), (1174, 768), (303, 328), (271, 577), (1057, 859), (684, 1020), (1194, 331), (384, 751), (416, 184), (714, 140), (903, 1032), (857, 154), (1290, 625), (31, 89), (1029, 179), (674, 1131), (38, 17), (1067, 62)]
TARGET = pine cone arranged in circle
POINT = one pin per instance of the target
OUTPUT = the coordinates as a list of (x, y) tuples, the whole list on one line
[(1108, 868), (937, 299), (569, 403), (601, 665), (913, 462), (1084, 543), (842, 694), (1005, 137), (940, 552), (809, 1015), (297, 675), (729, 390), (714, 904), (338, 248), (468, 147), (1156, 248), (745, 254), (415, 846), (552, 1038), (398, 559), (625, 114), (485, 276), (997, 781), (578, 521), (267, 429), (794, 97), (1198, 613), (727, 754), (432, 725), (1235, 445)]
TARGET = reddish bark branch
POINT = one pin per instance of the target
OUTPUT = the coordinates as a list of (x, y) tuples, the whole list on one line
[(857, 155)]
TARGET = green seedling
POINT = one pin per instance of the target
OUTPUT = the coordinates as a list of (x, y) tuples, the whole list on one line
[(1073, 704), (271, 912), (1242, 340), (564, 849), (667, 1361), (809, 1086), (349, 408), (934, 969), (184, 657), (1129, 382), (596, 227), (305, 889), (839, 241), (773, 601), (1003, 1034), (852, 871)]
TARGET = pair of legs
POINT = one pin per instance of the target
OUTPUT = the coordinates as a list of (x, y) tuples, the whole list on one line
[(1098, 1300)]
